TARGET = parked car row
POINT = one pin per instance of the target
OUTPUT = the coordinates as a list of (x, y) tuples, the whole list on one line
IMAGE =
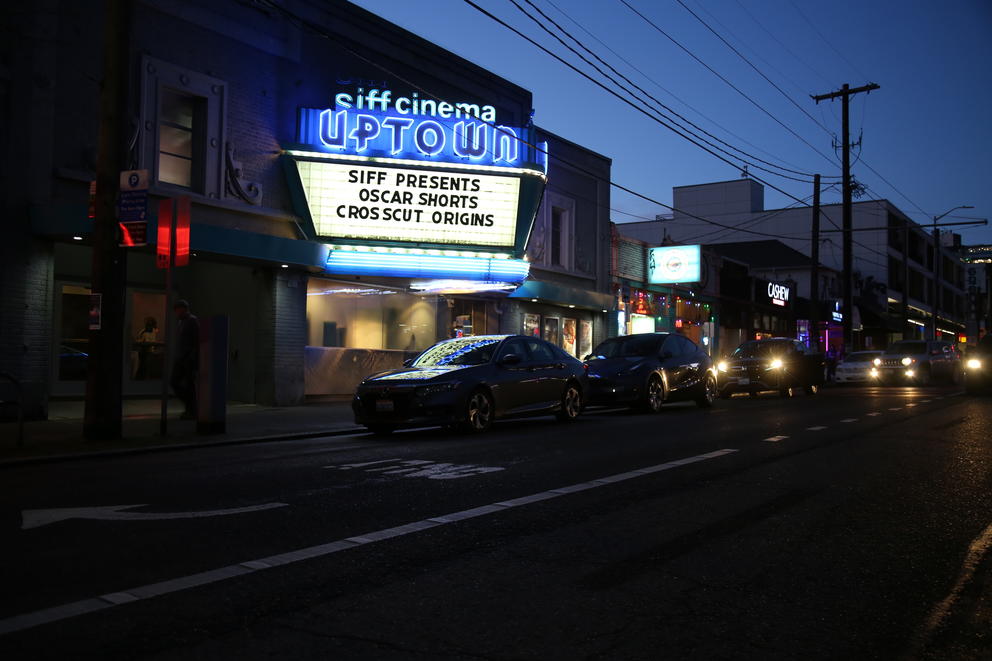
[(469, 382)]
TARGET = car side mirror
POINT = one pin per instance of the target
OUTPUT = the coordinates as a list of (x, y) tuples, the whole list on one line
[(510, 359), (588, 356)]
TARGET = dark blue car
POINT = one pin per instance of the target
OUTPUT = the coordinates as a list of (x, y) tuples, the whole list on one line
[(648, 369), (470, 381)]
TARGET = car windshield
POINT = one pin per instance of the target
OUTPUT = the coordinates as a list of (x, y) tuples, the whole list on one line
[(907, 347), (631, 345), (473, 350), (757, 349), (862, 356)]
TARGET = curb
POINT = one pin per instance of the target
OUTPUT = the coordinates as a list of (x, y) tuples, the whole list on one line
[(76, 456)]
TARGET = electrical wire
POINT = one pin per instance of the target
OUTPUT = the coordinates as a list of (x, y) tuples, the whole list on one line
[(648, 94), (694, 139), (721, 77), (752, 65), (668, 91)]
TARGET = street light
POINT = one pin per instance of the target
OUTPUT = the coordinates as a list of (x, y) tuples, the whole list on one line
[(938, 257)]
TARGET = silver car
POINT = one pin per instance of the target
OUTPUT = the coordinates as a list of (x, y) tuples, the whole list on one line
[(857, 367), (919, 362)]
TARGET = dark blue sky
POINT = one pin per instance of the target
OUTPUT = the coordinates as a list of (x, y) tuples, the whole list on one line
[(926, 132)]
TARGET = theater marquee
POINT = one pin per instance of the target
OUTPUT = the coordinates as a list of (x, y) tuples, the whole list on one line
[(384, 170)]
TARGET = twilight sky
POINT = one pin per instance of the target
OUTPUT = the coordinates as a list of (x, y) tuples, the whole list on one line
[(926, 134)]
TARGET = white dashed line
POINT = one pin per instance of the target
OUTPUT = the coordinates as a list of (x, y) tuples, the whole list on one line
[(874, 414), (815, 428), (102, 602), (925, 401), (849, 420), (909, 406), (776, 439), (896, 408)]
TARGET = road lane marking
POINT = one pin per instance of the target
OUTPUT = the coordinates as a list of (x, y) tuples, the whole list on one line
[(432, 470), (874, 414), (896, 408), (849, 420), (909, 406), (38, 518), (121, 597), (924, 401), (775, 439), (815, 428)]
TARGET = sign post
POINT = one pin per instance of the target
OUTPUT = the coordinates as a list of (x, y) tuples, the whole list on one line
[(132, 208), (172, 250)]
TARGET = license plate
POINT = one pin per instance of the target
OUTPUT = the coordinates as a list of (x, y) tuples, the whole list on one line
[(743, 381), (384, 405)]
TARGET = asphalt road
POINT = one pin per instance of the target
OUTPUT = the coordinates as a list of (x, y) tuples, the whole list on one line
[(852, 524)]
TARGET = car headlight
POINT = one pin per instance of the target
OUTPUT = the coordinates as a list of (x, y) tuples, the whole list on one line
[(874, 372), (436, 388), (777, 363), (722, 366), (910, 373), (974, 364), (907, 361), (877, 362)]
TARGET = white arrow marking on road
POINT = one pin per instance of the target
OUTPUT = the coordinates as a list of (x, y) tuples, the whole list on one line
[(37, 518)]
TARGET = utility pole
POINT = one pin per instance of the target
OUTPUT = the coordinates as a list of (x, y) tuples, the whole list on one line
[(845, 93), (938, 257), (814, 271), (105, 366)]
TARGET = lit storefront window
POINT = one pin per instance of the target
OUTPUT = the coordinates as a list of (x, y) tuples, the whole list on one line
[(357, 316)]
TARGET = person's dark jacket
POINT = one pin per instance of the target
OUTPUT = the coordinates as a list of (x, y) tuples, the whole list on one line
[(188, 345)]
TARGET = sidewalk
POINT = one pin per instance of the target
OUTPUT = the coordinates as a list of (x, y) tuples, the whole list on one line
[(61, 436)]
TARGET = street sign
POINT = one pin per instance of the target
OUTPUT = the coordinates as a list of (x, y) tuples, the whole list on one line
[(134, 234), (132, 204)]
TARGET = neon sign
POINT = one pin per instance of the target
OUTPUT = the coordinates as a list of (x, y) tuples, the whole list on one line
[(376, 125), (674, 264), (407, 265)]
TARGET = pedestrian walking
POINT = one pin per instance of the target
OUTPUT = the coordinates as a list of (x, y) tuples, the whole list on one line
[(187, 362)]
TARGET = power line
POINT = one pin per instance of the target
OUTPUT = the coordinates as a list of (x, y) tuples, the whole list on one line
[(718, 75), (646, 93), (664, 121), (752, 65), (663, 88), (827, 41)]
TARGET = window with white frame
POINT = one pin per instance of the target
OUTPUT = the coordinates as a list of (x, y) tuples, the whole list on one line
[(182, 128), (553, 241)]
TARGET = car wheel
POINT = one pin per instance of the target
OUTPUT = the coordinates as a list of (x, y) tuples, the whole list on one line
[(708, 395), (382, 430), (479, 412), (812, 389), (654, 395), (571, 404), (788, 391)]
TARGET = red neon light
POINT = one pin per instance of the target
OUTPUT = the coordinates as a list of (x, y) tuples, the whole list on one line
[(182, 231), (126, 238), (164, 242)]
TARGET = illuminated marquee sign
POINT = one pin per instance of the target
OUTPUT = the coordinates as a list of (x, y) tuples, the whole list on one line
[(351, 201), (674, 264), (377, 125)]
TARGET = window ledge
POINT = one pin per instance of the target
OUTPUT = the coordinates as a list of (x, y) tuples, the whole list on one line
[(167, 191)]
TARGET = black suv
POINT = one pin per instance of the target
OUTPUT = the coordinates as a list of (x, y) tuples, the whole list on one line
[(777, 363)]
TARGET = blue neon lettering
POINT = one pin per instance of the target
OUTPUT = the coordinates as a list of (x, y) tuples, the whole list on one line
[(402, 104), (470, 139), (343, 100), (507, 144), (332, 133), (366, 128), (397, 126), (420, 137)]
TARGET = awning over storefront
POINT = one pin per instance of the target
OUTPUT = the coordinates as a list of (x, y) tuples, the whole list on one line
[(550, 292)]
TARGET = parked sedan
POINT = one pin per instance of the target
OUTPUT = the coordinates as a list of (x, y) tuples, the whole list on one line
[(978, 368), (470, 381), (777, 363), (919, 362), (857, 367), (648, 369)]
